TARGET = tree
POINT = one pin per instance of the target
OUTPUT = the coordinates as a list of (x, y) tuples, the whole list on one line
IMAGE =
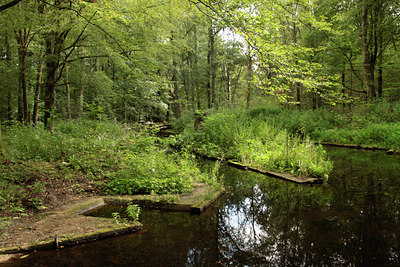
[(282, 66)]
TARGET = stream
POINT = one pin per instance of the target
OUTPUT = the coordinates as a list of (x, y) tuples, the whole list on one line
[(352, 220)]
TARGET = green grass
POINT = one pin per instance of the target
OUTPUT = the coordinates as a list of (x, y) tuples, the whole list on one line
[(275, 138), (375, 123), (113, 157), (251, 138)]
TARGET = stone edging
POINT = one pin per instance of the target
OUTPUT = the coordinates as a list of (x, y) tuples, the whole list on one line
[(282, 176), (186, 203), (364, 147), (69, 241)]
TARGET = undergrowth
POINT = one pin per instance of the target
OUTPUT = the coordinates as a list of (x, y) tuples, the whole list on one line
[(375, 123), (116, 159), (252, 139)]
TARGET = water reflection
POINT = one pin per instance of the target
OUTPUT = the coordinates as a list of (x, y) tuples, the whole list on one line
[(353, 220)]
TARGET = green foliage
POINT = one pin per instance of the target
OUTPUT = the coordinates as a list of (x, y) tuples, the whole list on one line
[(117, 218), (133, 212), (374, 124), (153, 171), (122, 160), (187, 118), (249, 136)]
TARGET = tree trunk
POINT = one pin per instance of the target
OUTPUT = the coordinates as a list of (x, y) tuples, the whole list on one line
[(296, 84), (367, 60), (186, 84), (23, 43), (174, 91), (380, 67), (211, 36), (209, 90), (68, 94), (9, 65), (37, 94), (344, 81), (191, 85), (235, 84), (314, 100), (54, 45), (249, 78), (80, 102), (2, 151), (228, 85), (51, 71)]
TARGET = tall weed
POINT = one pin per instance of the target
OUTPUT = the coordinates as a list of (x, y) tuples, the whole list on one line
[(251, 138)]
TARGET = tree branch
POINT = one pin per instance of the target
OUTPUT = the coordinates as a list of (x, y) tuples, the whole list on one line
[(73, 46), (11, 4), (84, 57), (89, 22)]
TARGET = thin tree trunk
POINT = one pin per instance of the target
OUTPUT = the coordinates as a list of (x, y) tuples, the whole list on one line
[(380, 67), (344, 81), (191, 85), (2, 151), (211, 35), (174, 91), (68, 93), (176, 103), (80, 102), (249, 78), (186, 84), (9, 107), (22, 40), (37, 94), (314, 100), (209, 89), (228, 85), (235, 84), (297, 85), (9, 65), (368, 66)]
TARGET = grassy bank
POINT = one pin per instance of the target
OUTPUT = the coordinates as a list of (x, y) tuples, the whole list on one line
[(279, 139), (374, 124), (252, 139), (88, 157)]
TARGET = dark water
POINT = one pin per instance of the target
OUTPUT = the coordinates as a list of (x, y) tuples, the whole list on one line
[(353, 220)]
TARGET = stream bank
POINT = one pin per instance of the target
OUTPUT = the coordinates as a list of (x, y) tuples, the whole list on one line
[(67, 225), (351, 220)]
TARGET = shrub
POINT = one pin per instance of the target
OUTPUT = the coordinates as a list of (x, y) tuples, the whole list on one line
[(153, 171)]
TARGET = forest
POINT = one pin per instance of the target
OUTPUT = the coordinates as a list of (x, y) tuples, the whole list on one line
[(136, 61), (86, 85)]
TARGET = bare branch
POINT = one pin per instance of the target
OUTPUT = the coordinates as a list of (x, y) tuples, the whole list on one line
[(11, 4), (73, 46), (89, 22)]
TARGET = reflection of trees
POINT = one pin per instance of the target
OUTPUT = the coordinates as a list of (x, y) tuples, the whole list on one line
[(368, 196), (352, 220), (264, 226)]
